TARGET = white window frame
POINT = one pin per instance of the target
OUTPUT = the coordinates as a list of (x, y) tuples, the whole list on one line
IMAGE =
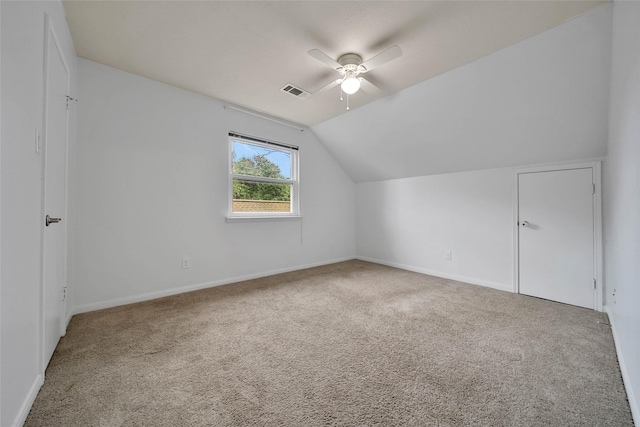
[(294, 181)]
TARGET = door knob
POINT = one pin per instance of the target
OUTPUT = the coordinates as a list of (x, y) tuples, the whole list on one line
[(525, 223), (48, 220)]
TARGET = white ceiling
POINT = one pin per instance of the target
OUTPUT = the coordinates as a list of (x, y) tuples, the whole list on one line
[(244, 52), (543, 100)]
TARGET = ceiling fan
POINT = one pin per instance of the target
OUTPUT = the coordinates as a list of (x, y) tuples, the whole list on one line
[(351, 67)]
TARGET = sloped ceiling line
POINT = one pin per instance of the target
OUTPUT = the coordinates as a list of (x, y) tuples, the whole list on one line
[(244, 52)]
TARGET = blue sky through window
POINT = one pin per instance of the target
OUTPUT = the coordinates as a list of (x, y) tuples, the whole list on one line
[(280, 158)]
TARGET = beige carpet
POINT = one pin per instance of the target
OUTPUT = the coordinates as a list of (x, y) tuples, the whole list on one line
[(349, 344)]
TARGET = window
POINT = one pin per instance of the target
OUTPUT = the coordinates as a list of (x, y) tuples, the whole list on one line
[(263, 178)]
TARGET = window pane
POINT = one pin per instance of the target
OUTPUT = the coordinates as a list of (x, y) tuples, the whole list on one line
[(253, 160), (261, 197)]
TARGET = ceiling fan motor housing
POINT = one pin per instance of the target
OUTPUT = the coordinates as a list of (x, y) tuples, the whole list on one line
[(351, 62)]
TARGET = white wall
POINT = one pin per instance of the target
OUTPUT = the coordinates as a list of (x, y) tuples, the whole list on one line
[(21, 192), (150, 185), (542, 100), (412, 222), (0, 212), (622, 197)]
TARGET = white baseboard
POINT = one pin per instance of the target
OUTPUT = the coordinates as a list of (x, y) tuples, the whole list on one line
[(633, 403), (67, 321), (471, 280), (28, 401), (85, 308)]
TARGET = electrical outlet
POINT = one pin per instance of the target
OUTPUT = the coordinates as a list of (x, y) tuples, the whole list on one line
[(186, 262), (447, 256)]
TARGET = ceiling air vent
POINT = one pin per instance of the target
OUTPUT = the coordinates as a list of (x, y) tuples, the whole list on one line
[(295, 91)]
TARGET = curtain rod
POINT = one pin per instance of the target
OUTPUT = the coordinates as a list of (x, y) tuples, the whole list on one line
[(262, 116)]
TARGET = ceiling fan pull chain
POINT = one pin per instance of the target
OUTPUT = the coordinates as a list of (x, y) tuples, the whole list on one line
[(347, 102), (341, 95)]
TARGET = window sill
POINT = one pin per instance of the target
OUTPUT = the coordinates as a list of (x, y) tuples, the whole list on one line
[(262, 218)]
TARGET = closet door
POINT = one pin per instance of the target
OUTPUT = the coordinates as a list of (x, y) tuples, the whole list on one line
[(556, 235)]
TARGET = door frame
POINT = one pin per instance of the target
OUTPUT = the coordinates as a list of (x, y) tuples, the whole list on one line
[(596, 167), (51, 36)]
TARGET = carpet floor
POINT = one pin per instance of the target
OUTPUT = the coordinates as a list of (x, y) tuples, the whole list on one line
[(348, 344)]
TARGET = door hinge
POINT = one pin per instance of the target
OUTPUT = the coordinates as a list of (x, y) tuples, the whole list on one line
[(594, 284), (593, 189), (70, 99), (64, 293)]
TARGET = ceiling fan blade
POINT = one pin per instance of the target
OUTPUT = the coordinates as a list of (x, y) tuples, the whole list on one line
[(324, 58), (367, 87), (383, 57), (331, 85)]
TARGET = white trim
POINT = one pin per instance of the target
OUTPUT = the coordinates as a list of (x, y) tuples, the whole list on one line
[(67, 127), (85, 308), (598, 240), (595, 167), (43, 175), (293, 181), (21, 417), (456, 277), (581, 164), (626, 380), (1, 145), (515, 283), (68, 320), (50, 35), (265, 217), (262, 179)]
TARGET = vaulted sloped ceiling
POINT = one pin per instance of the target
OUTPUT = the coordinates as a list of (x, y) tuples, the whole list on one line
[(542, 100), (244, 52)]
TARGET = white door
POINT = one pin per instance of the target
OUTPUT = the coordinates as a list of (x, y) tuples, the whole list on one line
[(556, 236), (55, 155)]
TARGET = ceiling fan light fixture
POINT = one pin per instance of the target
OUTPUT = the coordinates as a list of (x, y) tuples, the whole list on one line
[(350, 66), (350, 84)]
